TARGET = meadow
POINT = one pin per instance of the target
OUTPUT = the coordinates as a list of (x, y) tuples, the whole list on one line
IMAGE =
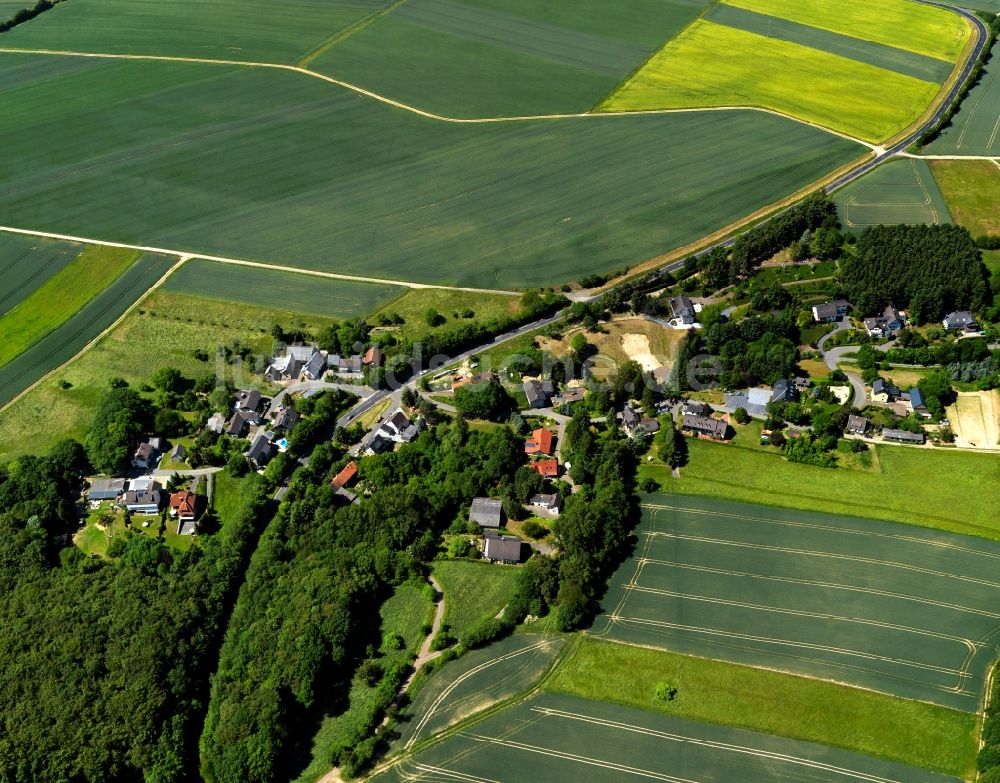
[(275, 289), (970, 187), (473, 591), (164, 331), (252, 30), (954, 501), (899, 191), (560, 738), (67, 339), (908, 732), (488, 58), (268, 165), (916, 27), (715, 65), (450, 304), (881, 56), (26, 263), (60, 297), (975, 128), (899, 610)]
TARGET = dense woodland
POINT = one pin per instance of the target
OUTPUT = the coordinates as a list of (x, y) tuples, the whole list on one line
[(928, 270)]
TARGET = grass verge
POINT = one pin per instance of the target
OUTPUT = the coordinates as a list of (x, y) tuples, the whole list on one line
[(473, 591)]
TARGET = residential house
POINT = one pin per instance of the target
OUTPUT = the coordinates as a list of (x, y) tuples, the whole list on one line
[(315, 368), (874, 327), (373, 357), (346, 477), (283, 368), (378, 443), (398, 428), (961, 319), (571, 395), (105, 489), (629, 419), (178, 452), (696, 408), (540, 442), (184, 507), (830, 312), (503, 549), (487, 513), (285, 418), (902, 436), (546, 468), (247, 399), (716, 429), (143, 483), (260, 450), (535, 392), (682, 309), (216, 423), (893, 319), (884, 391), (550, 502), (648, 426), (857, 425), (784, 391), (240, 422), (918, 403), (146, 453), (143, 501), (344, 365)]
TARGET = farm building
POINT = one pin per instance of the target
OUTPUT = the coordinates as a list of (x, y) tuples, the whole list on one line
[(486, 512), (902, 436), (503, 549), (105, 489)]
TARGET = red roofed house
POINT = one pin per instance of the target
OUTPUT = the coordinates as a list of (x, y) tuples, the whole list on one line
[(183, 505), (540, 442), (346, 476), (373, 357), (547, 468)]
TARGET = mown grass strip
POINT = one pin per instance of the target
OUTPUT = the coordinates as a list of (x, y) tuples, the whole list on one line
[(910, 732), (63, 295), (903, 24), (714, 65), (970, 187)]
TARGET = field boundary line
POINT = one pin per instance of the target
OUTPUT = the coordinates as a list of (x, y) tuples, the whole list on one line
[(257, 264), (114, 325), (431, 115), (346, 32)]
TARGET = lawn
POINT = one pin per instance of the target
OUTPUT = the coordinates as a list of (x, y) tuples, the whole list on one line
[(254, 30), (26, 263), (473, 591), (909, 732), (488, 58), (900, 191), (715, 65), (970, 187), (552, 737), (275, 166), (61, 297), (228, 497), (164, 331), (975, 128), (903, 24), (991, 260), (953, 501), (278, 290)]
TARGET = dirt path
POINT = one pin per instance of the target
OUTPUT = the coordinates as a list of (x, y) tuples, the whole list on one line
[(426, 654)]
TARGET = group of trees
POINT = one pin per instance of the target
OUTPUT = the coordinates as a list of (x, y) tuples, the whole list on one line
[(112, 656), (752, 350), (27, 14), (929, 270)]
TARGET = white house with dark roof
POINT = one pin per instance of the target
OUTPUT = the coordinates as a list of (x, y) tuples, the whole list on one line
[(260, 450), (830, 312), (247, 399), (960, 319)]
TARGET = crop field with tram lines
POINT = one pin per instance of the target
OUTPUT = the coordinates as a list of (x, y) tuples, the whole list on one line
[(906, 611), (975, 128), (26, 263), (561, 739), (900, 191)]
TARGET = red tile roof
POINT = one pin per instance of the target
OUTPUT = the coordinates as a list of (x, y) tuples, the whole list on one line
[(540, 442), (184, 503), (547, 468), (346, 476)]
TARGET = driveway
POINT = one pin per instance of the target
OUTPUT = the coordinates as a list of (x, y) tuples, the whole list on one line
[(834, 355)]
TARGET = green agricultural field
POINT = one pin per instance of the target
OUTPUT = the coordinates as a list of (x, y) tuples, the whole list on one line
[(954, 501), (714, 65), (900, 60), (902, 24), (488, 58), (61, 297), (65, 341), (908, 732), (559, 738), (473, 591), (901, 610), (975, 128), (164, 331), (253, 30), (26, 263), (278, 290), (269, 165), (476, 681), (900, 191), (970, 187)]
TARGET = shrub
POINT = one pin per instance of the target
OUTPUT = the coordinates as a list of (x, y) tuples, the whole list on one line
[(740, 416), (533, 529), (665, 691)]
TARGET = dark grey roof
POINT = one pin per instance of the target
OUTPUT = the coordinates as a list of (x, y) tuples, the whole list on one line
[(486, 512), (783, 391), (681, 307), (286, 418), (506, 548), (399, 420), (882, 386), (145, 497), (696, 408), (959, 319), (903, 435), (315, 366), (178, 451), (891, 314), (703, 424), (550, 500), (301, 353), (651, 426), (105, 489), (535, 392), (574, 394), (917, 399), (260, 448), (857, 424), (409, 433), (629, 417), (248, 398)]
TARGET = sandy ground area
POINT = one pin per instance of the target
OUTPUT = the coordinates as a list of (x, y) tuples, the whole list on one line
[(975, 419)]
